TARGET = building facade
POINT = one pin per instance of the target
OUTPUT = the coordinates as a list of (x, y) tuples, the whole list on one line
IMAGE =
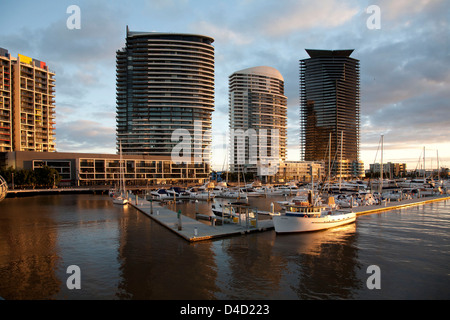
[(91, 169), (301, 171), (27, 104), (6, 143), (165, 82), (390, 170), (257, 120), (330, 111)]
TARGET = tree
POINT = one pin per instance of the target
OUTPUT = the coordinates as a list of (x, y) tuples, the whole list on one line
[(42, 177), (46, 176)]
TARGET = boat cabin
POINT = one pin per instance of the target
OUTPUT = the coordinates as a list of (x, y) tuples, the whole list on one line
[(304, 211)]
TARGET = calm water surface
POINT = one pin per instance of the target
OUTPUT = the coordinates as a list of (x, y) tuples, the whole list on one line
[(123, 254)]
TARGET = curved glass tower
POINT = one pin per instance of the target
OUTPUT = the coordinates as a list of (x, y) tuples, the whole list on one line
[(165, 82), (258, 117)]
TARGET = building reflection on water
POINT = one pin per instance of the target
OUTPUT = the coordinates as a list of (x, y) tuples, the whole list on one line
[(28, 250), (157, 264), (123, 254)]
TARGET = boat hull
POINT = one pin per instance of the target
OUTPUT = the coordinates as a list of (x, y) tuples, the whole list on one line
[(120, 200), (292, 224)]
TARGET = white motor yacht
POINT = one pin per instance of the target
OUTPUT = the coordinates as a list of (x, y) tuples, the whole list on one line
[(305, 218)]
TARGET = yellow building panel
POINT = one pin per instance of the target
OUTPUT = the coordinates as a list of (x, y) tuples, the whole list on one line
[(25, 59)]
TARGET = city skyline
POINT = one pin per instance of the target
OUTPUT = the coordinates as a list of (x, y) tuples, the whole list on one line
[(404, 64)]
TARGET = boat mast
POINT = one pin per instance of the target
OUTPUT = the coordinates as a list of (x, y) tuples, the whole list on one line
[(340, 165), (312, 184), (424, 172), (329, 163), (437, 159), (380, 187), (122, 172)]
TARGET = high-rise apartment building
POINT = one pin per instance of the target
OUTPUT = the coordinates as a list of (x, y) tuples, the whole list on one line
[(5, 102), (165, 82), (27, 104), (329, 110), (258, 119)]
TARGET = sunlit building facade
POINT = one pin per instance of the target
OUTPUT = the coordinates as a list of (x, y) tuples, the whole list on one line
[(258, 120), (165, 82), (27, 104), (330, 111)]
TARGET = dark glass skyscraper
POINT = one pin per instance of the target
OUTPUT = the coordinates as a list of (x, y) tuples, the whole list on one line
[(165, 81), (329, 108)]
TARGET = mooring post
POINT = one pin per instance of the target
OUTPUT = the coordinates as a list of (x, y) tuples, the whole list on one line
[(151, 206), (179, 220)]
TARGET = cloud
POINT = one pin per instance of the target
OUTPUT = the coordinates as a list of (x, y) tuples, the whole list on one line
[(290, 16), (85, 136), (223, 34)]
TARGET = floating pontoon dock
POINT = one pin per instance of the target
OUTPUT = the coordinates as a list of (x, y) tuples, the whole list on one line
[(193, 230)]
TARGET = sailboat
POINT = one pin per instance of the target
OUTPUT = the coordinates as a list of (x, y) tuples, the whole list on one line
[(121, 198)]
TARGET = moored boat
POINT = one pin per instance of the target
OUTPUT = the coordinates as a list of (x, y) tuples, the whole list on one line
[(202, 195), (120, 200), (226, 211), (305, 218), (161, 194)]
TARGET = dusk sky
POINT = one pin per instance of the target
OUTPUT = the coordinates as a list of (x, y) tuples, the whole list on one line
[(404, 65)]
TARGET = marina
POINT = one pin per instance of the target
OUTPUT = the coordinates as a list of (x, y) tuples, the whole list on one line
[(194, 230), (123, 254)]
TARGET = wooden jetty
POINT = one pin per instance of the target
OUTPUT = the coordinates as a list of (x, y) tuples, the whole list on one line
[(193, 230)]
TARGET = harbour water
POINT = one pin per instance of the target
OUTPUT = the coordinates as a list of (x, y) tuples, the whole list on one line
[(123, 254)]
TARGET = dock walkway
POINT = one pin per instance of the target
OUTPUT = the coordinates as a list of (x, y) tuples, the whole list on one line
[(393, 205), (193, 230)]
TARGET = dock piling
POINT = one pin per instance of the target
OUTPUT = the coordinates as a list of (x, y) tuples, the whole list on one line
[(179, 221)]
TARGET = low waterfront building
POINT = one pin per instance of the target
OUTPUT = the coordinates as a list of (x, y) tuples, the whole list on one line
[(390, 170), (90, 169), (300, 171)]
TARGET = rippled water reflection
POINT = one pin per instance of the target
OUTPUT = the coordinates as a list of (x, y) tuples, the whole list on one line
[(125, 255)]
